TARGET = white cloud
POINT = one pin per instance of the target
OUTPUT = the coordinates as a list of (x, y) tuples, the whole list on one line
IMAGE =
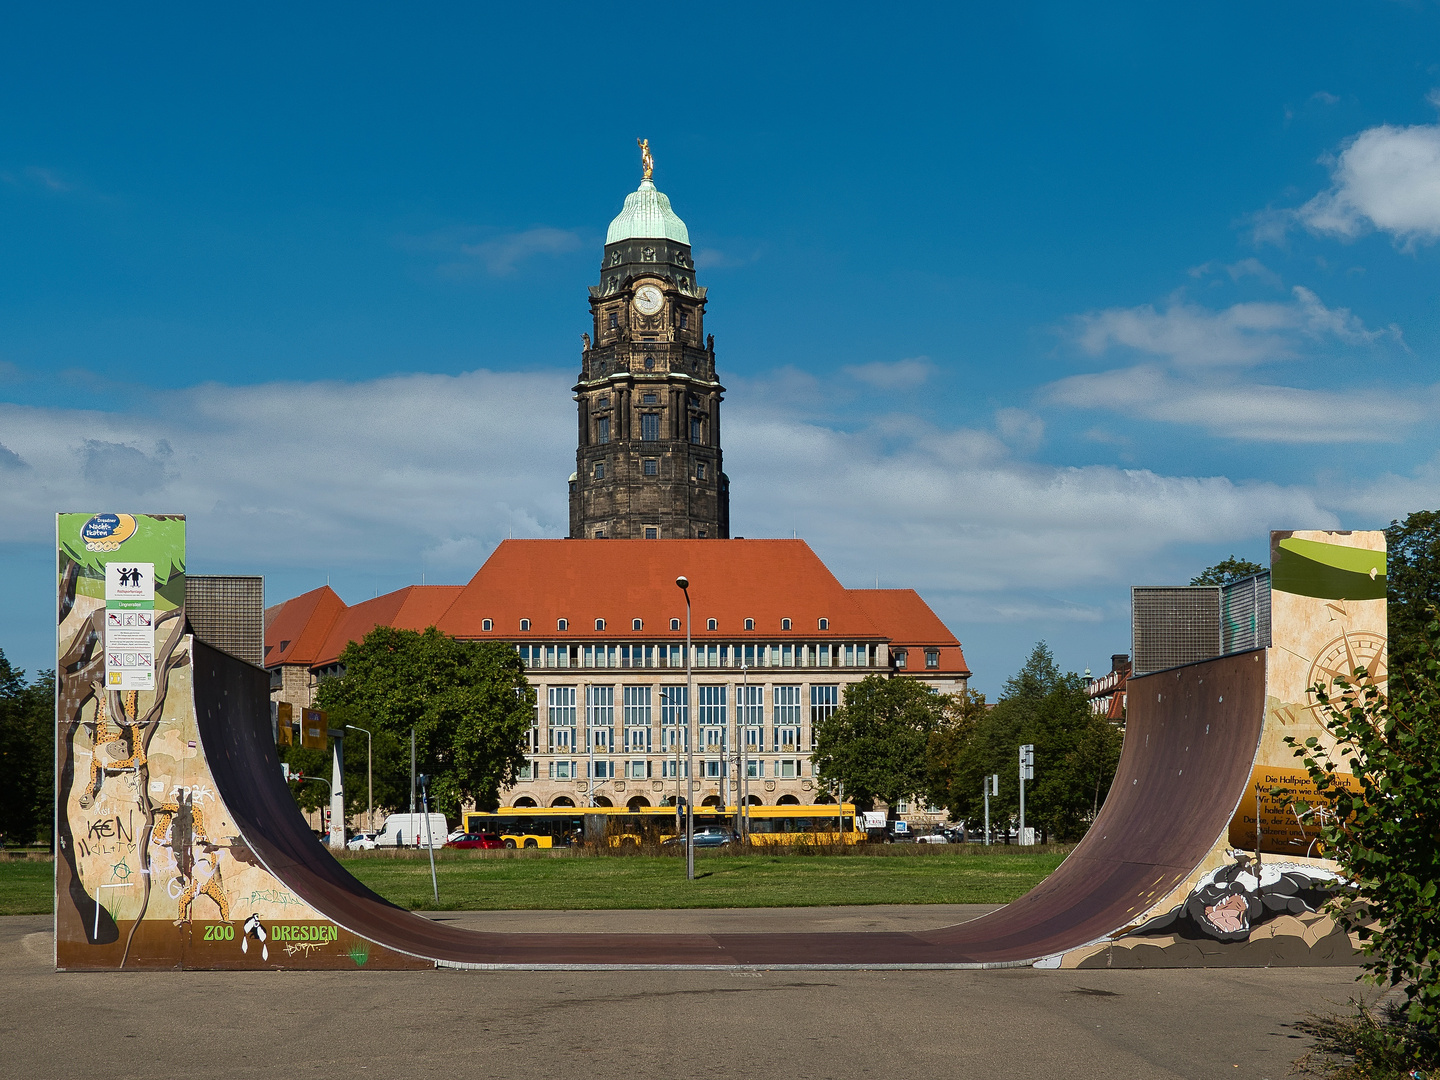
[(893, 375), (1241, 335), (500, 255), (1251, 411), (1019, 428), (355, 475), (1385, 178)]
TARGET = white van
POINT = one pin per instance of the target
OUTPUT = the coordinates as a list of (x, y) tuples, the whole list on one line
[(408, 830)]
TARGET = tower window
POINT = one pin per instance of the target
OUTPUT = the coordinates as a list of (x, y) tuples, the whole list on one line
[(487, 625), (599, 534), (784, 624), (602, 429), (599, 470), (700, 470), (711, 624), (749, 624), (562, 624), (824, 624), (648, 399), (700, 535), (684, 321), (636, 624), (599, 624), (649, 363), (604, 402), (674, 624), (614, 320), (524, 624), (652, 467), (696, 429), (650, 427), (651, 533)]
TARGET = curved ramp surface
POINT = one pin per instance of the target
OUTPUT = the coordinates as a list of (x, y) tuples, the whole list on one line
[(1191, 737)]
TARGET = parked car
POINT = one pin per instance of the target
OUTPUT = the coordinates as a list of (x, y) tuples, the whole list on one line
[(455, 834), (933, 838), (361, 841), (709, 836), (477, 840)]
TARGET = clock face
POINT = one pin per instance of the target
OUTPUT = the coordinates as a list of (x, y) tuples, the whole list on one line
[(648, 300)]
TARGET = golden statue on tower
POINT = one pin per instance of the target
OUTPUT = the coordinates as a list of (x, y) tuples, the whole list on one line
[(647, 163)]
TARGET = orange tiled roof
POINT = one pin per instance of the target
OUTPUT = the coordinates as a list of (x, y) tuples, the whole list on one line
[(414, 607), (622, 580), (909, 623), (296, 632)]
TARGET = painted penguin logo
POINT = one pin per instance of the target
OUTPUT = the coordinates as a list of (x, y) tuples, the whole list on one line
[(253, 929)]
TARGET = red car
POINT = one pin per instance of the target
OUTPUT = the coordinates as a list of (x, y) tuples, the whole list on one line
[(477, 840)]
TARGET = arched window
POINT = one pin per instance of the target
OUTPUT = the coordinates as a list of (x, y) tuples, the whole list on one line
[(486, 625), (524, 624), (787, 800), (562, 624), (636, 624), (525, 802), (749, 624), (824, 624), (784, 624), (563, 800), (599, 624), (711, 624), (674, 624)]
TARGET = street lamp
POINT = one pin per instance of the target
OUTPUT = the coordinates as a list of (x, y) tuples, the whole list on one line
[(369, 777), (684, 585), (742, 779)]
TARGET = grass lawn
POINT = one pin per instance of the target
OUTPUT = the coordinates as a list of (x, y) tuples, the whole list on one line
[(493, 881), (483, 881), (27, 887)]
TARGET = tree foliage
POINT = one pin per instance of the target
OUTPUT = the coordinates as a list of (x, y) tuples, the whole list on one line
[(468, 702), (1385, 835), (1076, 752), (1413, 586), (875, 743), (27, 754), (1226, 571)]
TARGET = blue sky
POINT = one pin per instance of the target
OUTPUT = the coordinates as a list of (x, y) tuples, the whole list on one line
[(1018, 305)]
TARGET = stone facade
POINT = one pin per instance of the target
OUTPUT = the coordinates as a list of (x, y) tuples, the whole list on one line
[(648, 463)]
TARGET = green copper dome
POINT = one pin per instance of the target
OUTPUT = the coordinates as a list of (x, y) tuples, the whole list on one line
[(647, 216)]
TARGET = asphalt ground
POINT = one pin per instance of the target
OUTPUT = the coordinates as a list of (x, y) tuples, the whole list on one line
[(788, 1025)]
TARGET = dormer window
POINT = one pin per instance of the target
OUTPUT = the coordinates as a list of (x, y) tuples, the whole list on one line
[(599, 624), (824, 624), (486, 625), (749, 624), (784, 624), (711, 624), (932, 658), (562, 624), (674, 624), (901, 658), (636, 624), (524, 624)]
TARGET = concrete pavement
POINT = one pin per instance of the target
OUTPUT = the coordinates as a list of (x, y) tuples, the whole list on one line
[(1192, 1024)]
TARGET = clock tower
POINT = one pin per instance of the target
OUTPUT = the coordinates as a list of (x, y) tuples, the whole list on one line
[(648, 464)]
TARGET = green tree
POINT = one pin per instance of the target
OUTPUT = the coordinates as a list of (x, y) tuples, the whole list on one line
[(27, 754), (1385, 834), (1226, 571), (469, 703), (1076, 753), (1413, 585), (875, 743)]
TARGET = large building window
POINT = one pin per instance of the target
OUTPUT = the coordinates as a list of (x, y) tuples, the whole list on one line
[(750, 715), (649, 427), (674, 716), (786, 713), (600, 717), (824, 700), (697, 430), (602, 429), (637, 719), (562, 719)]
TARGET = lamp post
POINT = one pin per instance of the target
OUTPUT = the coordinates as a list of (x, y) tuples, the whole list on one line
[(369, 777), (684, 585), (742, 783)]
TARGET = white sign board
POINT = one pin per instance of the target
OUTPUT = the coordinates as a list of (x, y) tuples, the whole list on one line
[(130, 626)]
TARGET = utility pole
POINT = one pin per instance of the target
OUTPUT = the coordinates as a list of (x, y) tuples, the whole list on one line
[(990, 786), (412, 771), (1027, 772)]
